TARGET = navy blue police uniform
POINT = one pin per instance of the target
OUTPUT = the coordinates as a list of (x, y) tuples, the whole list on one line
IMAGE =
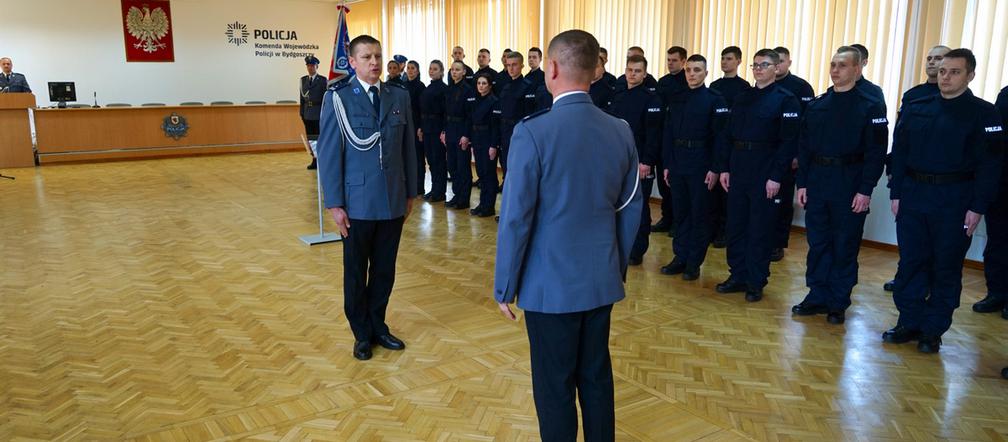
[(946, 161), (641, 108), (512, 109), (669, 84), (694, 133), (729, 87), (432, 123), (762, 138), (458, 99), (803, 91), (416, 88), (484, 114), (841, 153), (601, 93), (996, 249)]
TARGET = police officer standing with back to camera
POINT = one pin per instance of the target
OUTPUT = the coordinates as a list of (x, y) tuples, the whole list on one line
[(802, 90), (730, 86), (366, 168), (841, 152), (432, 117), (694, 136), (763, 135), (996, 250), (313, 87), (947, 156), (456, 137), (641, 108)]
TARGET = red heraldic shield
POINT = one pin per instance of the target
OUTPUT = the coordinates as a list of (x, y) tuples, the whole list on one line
[(147, 29)]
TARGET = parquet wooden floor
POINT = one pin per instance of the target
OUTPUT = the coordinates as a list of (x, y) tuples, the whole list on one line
[(172, 300)]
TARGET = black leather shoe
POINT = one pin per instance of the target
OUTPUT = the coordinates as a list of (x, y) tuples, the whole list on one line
[(753, 295), (390, 342), (636, 261), (691, 274), (889, 286), (450, 204), (731, 286), (461, 206), (929, 344), (990, 304), (663, 225), (1004, 372), (427, 196), (776, 255), (481, 212), (436, 198), (675, 267), (836, 318), (719, 242), (806, 308), (900, 335), (313, 165), (362, 350)]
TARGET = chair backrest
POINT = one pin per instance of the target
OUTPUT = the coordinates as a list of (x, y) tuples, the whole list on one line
[(287, 102), (118, 105), (191, 103), (221, 103), (152, 105), (255, 102)]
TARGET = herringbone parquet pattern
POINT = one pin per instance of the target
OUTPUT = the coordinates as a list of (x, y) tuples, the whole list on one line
[(171, 300)]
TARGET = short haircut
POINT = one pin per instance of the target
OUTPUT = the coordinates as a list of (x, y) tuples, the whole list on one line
[(781, 50), (484, 51), (946, 48), (854, 53), (732, 50), (7, 58), (439, 63), (698, 59), (636, 49), (457, 47), (536, 50), (362, 39), (576, 50), (508, 50), (603, 50), (965, 54), (862, 49), (516, 54), (769, 53), (637, 58), (414, 64), (677, 50)]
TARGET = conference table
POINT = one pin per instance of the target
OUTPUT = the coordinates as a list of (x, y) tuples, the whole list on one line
[(111, 133)]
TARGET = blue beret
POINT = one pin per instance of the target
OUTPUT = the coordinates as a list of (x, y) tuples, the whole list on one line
[(311, 60), (399, 58)]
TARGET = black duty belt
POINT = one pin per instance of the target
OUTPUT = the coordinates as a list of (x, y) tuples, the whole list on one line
[(455, 119), (481, 126), (691, 144), (842, 160), (940, 178), (754, 145)]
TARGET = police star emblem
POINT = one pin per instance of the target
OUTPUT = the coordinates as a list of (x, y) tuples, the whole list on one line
[(175, 126)]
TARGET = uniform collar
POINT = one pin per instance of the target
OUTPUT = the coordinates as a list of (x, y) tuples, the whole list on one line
[(567, 94), (367, 87)]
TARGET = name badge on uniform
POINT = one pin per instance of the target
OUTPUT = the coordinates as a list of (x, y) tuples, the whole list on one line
[(790, 114), (992, 129)]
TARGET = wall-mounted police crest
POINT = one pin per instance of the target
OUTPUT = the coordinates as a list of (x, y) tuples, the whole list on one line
[(175, 126)]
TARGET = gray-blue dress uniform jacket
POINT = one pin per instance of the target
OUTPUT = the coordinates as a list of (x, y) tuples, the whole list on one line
[(372, 184), (16, 84), (571, 209)]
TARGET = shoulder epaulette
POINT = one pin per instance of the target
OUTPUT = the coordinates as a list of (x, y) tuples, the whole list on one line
[(536, 114)]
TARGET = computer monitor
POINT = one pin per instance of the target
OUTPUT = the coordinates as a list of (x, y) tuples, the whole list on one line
[(62, 92)]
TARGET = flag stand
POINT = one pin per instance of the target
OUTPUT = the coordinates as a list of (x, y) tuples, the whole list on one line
[(322, 237)]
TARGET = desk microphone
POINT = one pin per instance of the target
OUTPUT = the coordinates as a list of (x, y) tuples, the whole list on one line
[(96, 100)]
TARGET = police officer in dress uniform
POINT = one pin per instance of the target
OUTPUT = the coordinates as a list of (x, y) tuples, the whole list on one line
[(762, 135), (694, 133), (313, 87), (929, 87), (10, 81), (432, 117), (564, 258), (512, 105), (416, 87), (996, 249), (841, 154), (366, 159), (802, 90), (641, 108), (456, 137), (730, 86), (485, 118), (671, 83), (601, 91), (947, 158)]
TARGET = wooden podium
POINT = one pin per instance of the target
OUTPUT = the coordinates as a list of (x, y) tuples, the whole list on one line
[(15, 131)]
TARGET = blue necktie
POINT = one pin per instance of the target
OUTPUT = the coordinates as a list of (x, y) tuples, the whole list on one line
[(376, 101)]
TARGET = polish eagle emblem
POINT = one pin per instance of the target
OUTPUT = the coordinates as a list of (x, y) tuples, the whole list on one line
[(147, 26)]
